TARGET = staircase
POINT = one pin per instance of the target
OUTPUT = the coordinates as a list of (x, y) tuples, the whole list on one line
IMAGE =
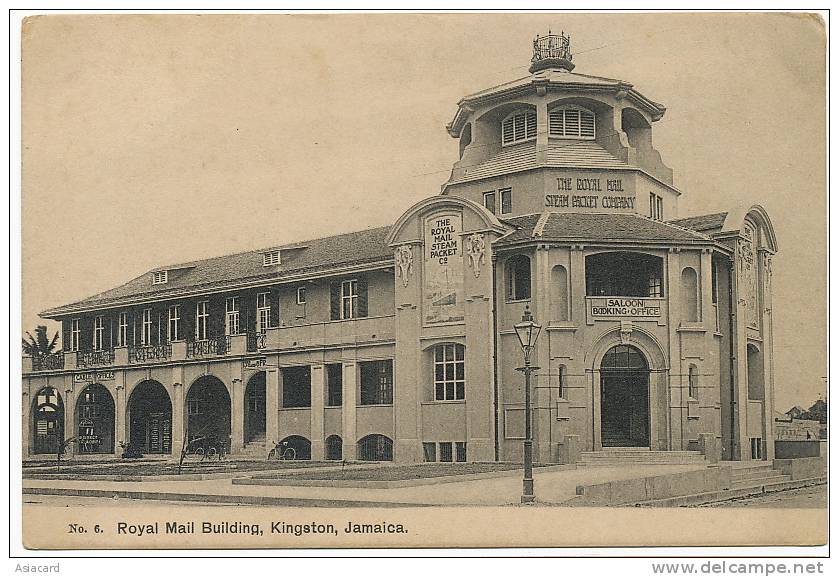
[(255, 448), (755, 474), (624, 456)]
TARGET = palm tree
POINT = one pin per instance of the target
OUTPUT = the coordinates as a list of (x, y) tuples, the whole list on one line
[(40, 345)]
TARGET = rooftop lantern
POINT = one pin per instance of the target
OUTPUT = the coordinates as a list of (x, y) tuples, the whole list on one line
[(552, 51)]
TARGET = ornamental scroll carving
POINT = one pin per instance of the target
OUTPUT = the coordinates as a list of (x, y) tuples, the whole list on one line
[(405, 263), (748, 273), (476, 250)]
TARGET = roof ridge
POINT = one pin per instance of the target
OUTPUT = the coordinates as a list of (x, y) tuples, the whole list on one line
[(539, 228), (682, 228)]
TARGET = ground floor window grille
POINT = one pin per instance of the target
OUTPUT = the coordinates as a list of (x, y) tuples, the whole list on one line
[(429, 451), (377, 382), (375, 448), (446, 451), (334, 385), (334, 448)]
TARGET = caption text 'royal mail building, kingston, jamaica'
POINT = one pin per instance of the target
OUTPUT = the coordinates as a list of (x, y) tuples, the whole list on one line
[(397, 343)]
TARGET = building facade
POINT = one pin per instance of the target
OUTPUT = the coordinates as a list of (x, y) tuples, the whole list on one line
[(397, 343)]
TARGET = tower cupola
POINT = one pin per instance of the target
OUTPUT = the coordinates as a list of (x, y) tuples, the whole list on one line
[(552, 51)]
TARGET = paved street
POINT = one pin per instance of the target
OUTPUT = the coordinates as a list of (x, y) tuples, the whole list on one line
[(807, 498)]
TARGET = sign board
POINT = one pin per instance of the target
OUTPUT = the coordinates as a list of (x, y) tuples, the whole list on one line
[(257, 364), (575, 191), (624, 308), (93, 377), (443, 269)]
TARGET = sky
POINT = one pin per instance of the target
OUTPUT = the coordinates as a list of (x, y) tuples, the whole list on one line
[(156, 139)]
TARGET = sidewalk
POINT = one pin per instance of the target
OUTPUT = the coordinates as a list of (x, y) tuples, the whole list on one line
[(551, 487)]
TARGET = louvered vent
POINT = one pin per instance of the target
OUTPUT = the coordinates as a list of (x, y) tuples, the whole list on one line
[(518, 127), (572, 123)]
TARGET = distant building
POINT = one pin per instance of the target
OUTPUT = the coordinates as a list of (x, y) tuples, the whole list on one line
[(397, 343)]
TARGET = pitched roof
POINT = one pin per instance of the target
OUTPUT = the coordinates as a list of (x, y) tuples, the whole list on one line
[(560, 154), (554, 76), (702, 223), (630, 228), (310, 257)]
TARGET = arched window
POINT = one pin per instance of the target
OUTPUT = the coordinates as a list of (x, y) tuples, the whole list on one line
[(334, 448), (518, 127), (690, 300), (693, 382), (449, 381), (571, 122), (301, 445), (518, 278), (375, 448), (559, 293)]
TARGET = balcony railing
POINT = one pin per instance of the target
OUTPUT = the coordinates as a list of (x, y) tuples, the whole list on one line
[(208, 347), (94, 358), (48, 362), (256, 342), (147, 353)]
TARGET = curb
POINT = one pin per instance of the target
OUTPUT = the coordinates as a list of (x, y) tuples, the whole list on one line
[(730, 494)]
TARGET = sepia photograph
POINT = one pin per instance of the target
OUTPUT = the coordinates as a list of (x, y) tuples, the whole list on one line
[(375, 280)]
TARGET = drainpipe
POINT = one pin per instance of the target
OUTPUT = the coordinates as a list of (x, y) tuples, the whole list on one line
[(495, 354), (732, 358)]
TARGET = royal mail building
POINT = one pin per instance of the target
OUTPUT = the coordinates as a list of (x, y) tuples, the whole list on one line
[(397, 343)]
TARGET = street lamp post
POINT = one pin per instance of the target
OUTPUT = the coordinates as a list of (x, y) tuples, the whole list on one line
[(528, 332)]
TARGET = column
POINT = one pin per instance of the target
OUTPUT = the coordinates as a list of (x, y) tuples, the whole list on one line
[(541, 397), (541, 127), (348, 414), (672, 439), (26, 424), (318, 391), (237, 418), (69, 415), (119, 419), (178, 427), (768, 353), (273, 382)]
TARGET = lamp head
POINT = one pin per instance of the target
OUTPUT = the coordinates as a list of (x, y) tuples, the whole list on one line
[(527, 331)]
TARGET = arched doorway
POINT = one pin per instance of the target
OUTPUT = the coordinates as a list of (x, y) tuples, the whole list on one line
[(334, 448), (48, 421), (150, 418), (624, 398), (208, 413), (95, 420), (255, 408)]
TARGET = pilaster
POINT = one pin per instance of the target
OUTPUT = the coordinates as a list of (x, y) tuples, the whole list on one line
[(316, 414), (348, 415), (273, 382), (237, 418)]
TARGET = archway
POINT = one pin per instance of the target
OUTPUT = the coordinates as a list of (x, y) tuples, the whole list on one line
[(48, 421), (301, 445), (375, 448), (624, 398), (150, 418), (95, 420), (255, 408), (208, 413)]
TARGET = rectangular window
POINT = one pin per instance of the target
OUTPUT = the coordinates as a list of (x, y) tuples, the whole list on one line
[(145, 335), (757, 448), (231, 324), (174, 323), (122, 332), (655, 285), (202, 316), (75, 334), (301, 295), (660, 205), (263, 312), (98, 333), (160, 277), (429, 451), (349, 299), (334, 384), (693, 382), (193, 407), (460, 452), (445, 452), (297, 387), (271, 258), (489, 201), (656, 207), (377, 382), (449, 377), (506, 200), (563, 377)]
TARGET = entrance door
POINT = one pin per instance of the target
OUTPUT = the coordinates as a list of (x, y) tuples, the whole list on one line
[(48, 421), (624, 398), (255, 408)]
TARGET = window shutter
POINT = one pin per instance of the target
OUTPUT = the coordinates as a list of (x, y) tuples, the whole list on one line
[(507, 131), (572, 123), (335, 301), (274, 302), (362, 297), (215, 324), (188, 320), (86, 328), (531, 125), (556, 123), (249, 312), (586, 125), (65, 334)]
